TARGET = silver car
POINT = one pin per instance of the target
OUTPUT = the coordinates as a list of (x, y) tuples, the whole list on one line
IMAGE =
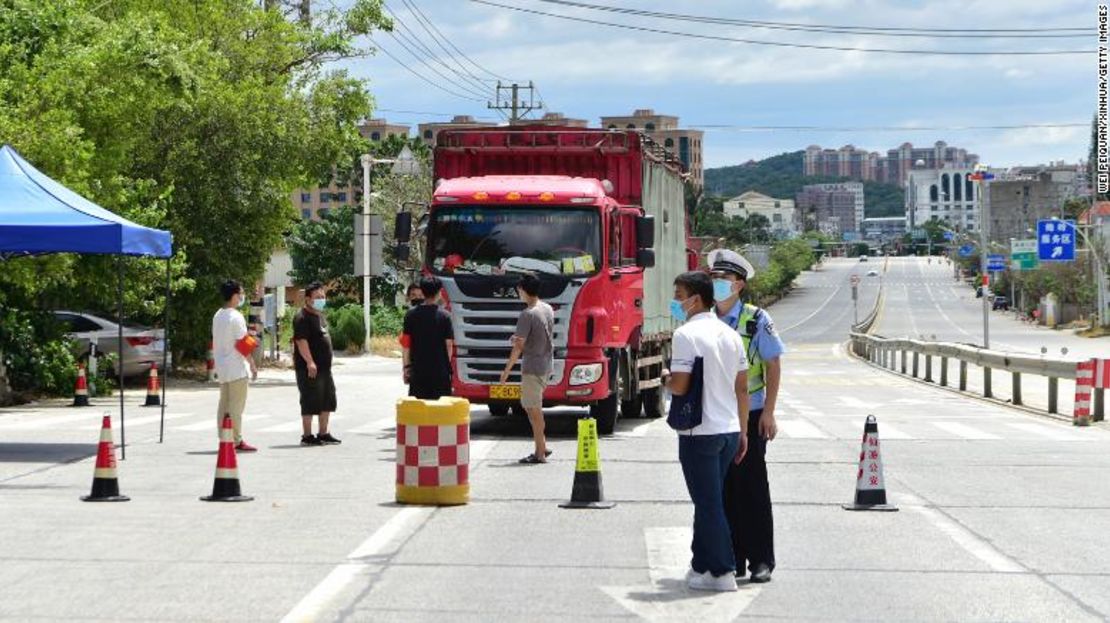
[(142, 346)]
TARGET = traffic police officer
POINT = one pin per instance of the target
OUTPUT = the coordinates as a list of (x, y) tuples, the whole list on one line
[(747, 493)]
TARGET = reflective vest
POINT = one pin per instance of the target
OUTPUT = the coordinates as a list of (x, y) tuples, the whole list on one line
[(747, 324)]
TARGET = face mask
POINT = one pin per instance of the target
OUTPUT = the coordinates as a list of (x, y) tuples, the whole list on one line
[(416, 302), (319, 304), (722, 289), (678, 310)]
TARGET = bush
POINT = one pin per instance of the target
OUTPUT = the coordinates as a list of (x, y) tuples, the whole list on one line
[(38, 355), (387, 319), (347, 330)]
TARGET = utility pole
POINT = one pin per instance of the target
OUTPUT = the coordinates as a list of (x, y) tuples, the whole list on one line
[(981, 176), (514, 104)]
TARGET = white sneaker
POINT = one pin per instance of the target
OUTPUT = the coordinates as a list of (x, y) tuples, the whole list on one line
[(707, 582), (692, 575)]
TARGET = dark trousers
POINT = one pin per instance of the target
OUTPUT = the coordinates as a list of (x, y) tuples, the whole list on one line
[(748, 502), (430, 388), (705, 460)]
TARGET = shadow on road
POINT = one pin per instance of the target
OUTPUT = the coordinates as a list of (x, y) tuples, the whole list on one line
[(45, 452)]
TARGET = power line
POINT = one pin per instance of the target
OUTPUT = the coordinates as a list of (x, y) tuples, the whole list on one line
[(781, 44), (422, 77), (814, 128), (453, 82), (425, 23), (411, 41), (878, 31), (415, 40), (456, 49)]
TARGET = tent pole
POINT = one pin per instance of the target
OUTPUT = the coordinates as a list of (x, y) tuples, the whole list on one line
[(119, 359), (165, 353)]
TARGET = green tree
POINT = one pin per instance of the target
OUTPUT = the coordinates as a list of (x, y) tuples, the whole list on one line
[(199, 116)]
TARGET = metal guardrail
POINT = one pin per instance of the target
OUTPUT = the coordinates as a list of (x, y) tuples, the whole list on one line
[(905, 355)]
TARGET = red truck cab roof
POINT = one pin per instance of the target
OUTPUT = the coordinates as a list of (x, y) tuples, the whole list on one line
[(522, 189)]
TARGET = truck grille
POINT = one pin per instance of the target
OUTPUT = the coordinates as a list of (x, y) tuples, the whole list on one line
[(484, 327)]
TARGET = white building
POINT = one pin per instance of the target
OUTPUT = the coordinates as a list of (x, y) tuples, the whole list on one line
[(780, 212), (947, 195)]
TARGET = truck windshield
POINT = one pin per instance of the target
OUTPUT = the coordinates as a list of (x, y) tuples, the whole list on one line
[(494, 240)]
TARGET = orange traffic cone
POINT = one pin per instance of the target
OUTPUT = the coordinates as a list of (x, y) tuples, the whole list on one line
[(105, 485), (81, 388), (226, 486), (211, 364), (152, 397), (870, 487)]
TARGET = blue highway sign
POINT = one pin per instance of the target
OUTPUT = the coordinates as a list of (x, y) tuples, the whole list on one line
[(1056, 240)]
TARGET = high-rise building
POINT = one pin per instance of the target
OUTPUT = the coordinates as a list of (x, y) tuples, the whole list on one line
[(429, 131), (836, 209), (946, 195), (685, 144), (316, 203), (894, 168)]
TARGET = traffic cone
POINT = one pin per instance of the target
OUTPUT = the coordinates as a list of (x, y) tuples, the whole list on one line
[(870, 487), (587, 491), (152, 397), (226, 486), (105, 485), (211, 364), (81, 388)]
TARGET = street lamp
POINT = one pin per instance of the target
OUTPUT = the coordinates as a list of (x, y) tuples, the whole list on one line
[(982, 176)]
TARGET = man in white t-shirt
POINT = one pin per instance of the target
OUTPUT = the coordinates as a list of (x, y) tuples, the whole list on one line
[(706, 450), (234, 370)]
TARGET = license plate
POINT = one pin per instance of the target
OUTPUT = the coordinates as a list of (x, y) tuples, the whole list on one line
[(504, 392)]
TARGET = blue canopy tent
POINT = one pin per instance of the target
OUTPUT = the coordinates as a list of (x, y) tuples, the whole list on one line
[(39, 216)]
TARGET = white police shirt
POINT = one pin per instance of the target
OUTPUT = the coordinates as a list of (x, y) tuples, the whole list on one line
[(722, 353)]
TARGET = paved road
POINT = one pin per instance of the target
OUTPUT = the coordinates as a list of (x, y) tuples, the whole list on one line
[(1000, 511)]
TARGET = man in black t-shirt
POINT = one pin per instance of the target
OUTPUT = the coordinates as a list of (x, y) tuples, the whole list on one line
[(312, 361), (427, 343)]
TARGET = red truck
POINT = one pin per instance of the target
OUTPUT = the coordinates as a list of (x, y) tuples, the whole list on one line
[(599, 216)]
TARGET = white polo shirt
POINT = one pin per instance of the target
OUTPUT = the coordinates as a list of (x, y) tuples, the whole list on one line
[(722, 353)]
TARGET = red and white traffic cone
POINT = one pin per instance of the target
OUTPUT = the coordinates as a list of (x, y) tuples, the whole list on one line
[(226, 486), (105, 485), (211, 364), (870, 487), (152, 397), (1084, 386), (81, 388)]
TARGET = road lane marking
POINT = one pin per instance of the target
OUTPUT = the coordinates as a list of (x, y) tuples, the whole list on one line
[(964, 431), (800, 429), (391, 535), (963, 537), (211, 422), (1051, 432), (145, 419), (886, 431), (815, 312), (668, 598)]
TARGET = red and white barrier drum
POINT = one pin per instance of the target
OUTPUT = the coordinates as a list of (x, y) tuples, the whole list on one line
[(433, 451)]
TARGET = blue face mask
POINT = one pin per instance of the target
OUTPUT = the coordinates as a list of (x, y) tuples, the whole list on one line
[(319, 304), (678, 312), (722, 289)]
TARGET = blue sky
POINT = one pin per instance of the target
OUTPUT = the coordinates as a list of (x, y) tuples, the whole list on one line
[(586, 71)]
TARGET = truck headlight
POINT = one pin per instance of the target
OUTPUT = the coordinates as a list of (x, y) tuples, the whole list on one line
[(585, 374)]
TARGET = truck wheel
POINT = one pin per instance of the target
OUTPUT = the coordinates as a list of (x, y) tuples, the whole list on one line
[(498, 409), (605, 412), (653, 403), (518, 410), (631, 408)]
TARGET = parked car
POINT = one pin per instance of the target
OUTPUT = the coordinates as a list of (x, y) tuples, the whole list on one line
[(142, 346), (863, 258), (1000, 302), (872, 273)]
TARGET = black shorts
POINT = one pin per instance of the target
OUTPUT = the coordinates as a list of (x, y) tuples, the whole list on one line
[(318, 394), (430, 389)]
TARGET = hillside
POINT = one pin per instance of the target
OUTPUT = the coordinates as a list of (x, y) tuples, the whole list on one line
[(781, 176)]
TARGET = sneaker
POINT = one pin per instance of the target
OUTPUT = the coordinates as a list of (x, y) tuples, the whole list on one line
[(243, 446), (327, 439), (708, 582), (310, 440), (691, 575)]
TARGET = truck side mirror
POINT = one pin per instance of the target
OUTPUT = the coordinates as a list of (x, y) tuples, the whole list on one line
[(402, 228), (645, 258), (645, 233)]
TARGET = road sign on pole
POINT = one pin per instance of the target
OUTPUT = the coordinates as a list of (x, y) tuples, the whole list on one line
[(967, 250), (1023, 254), (1056, 240), (996, 263)]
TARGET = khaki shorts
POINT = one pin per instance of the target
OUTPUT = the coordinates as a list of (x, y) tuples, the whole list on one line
[(531, 390)]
